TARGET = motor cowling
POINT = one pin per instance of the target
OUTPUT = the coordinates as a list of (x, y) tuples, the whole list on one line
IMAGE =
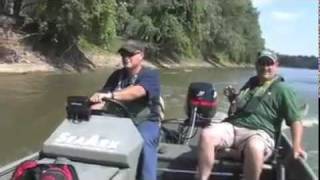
[(201, 103)]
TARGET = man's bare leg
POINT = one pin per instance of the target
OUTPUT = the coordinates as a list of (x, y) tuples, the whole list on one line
[(253, 158), (206, 154)]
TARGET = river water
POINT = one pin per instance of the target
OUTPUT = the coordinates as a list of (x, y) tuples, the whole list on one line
[(32, 105)]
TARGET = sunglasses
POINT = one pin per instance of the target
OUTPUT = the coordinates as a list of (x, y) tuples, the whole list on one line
[(265, 61), (128, 54)]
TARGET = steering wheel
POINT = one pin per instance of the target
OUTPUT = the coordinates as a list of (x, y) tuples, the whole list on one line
[(116, 107)]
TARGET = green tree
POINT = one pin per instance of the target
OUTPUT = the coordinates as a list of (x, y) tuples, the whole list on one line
[(206, 29), (102, 21)]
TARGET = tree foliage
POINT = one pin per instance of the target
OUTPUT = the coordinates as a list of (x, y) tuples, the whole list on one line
[(191, 28), (211, 30)]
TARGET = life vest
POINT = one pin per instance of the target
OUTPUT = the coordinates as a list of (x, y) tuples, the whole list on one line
[(142, 108), (253, 102)]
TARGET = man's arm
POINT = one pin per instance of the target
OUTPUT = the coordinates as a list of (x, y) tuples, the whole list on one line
[(148, 85), (297, 134), (107, 87), (129, 93)]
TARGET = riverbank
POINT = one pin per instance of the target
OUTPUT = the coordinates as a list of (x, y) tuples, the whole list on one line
[(17, 57), (100, 61), (30, 61)]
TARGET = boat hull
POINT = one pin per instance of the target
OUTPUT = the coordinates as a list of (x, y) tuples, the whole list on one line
[(178, 162)]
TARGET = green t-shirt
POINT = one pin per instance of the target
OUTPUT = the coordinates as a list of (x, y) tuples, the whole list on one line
[(278, 103)]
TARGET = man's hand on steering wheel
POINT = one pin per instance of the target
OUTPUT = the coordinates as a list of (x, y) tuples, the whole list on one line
[(105, 102), (98, 97)]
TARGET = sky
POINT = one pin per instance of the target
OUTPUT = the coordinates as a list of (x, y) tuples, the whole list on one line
[(289, 26)]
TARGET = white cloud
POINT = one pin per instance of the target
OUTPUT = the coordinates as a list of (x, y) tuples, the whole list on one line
[(260, 3), (285, 16)]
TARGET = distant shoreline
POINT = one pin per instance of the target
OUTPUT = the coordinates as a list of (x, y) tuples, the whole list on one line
[(17, 58), (112, 61), (23, 68)]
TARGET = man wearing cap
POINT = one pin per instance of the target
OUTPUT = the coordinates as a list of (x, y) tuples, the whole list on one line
[(263, 102), (138, 87)]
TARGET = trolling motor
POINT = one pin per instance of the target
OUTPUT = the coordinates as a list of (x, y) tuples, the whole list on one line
[(201, 106)]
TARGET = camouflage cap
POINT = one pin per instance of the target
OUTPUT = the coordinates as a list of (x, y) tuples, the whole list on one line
[(267, 54)]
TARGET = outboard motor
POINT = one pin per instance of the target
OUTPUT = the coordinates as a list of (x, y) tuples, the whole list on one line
[(201, 104)]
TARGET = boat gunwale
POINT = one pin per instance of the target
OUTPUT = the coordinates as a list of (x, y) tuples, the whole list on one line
[(9, 168)]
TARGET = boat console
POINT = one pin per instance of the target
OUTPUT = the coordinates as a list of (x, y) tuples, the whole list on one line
[(105, 142)]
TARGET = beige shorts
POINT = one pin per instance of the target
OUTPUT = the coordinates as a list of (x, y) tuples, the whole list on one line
[(236, 137)]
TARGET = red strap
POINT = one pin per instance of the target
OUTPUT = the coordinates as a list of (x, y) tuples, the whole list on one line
[(23, 167), (67, 171)]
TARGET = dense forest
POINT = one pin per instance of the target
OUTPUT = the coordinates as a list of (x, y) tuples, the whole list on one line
[(215, 31), (310, 62)]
